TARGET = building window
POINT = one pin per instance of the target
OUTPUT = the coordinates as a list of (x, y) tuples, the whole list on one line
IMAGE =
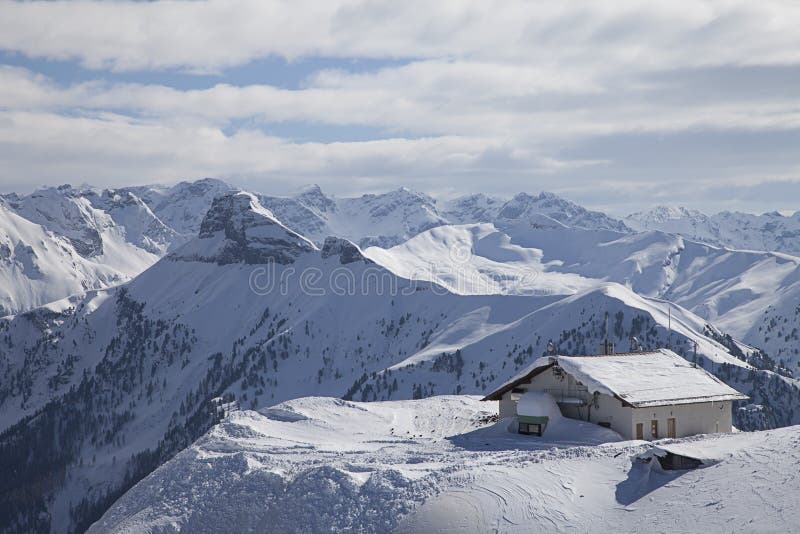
[(654, 428), (639, 430), (534, 429)]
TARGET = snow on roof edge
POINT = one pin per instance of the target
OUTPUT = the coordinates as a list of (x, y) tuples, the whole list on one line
[(717, 390)]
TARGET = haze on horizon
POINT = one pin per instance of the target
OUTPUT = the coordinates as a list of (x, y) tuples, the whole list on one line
[(618, 106)]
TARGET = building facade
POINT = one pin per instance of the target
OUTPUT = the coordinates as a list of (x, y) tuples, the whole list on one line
[(642, 395)]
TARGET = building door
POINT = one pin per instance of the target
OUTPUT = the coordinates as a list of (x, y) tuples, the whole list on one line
[(639, 430), (671, 427), (654, 429)]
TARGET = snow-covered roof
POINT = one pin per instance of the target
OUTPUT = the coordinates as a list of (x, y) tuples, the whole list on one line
[(641, 379)]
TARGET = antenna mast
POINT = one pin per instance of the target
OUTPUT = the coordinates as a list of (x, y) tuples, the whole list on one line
[(607, 346), (669, 326)]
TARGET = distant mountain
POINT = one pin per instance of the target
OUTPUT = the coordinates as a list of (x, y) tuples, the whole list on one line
[(523, 208), (769, 231), (182, 206), (370, 220), (96, 222), (97, 391), (389, 219), (62, 241), (477, 208), (38, 266)]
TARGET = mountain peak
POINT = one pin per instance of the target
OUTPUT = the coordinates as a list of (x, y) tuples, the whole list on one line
[(311, 190), (663, 213), (524, 206), (314, 198), (238, 229)]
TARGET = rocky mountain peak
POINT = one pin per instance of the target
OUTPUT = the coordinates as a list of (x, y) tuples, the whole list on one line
[(242, 230), (314, 198)]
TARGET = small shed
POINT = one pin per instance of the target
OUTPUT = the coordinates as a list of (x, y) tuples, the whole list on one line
[(535, 409)]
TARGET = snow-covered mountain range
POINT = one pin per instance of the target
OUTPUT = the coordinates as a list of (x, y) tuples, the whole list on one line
[(57, 242), (264, 299), (391, 218), (751, 295), (62, 241), (769, 231)]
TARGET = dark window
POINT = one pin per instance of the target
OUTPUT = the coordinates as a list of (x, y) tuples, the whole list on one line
[(654, 428), (639, 430), (534, 429)]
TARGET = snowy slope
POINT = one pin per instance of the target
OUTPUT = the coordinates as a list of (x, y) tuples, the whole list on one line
[(92, 238), (75, 241), (38, 266), (751, 295), (769, 231), (251, 310), (107, 225), (141, 227), (434, 465), (124, 231)]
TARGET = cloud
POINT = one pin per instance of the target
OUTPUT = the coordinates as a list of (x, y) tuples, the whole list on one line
[(424, 99), (138, 151), (216, 34)]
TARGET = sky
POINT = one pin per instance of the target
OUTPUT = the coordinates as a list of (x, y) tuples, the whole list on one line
[(617, 105)]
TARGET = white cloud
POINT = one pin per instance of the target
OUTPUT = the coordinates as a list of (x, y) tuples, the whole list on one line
[(574, 35), (39, 148), (427, 98)]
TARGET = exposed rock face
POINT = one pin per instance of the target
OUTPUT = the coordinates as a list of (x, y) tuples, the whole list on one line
[(240, 230), (348, 252)]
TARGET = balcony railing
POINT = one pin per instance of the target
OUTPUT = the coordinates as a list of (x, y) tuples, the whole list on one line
[(577, 395)]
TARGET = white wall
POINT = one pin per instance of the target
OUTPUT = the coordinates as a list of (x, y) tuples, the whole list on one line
[(690, 419), (508, 406), (610, 410)]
